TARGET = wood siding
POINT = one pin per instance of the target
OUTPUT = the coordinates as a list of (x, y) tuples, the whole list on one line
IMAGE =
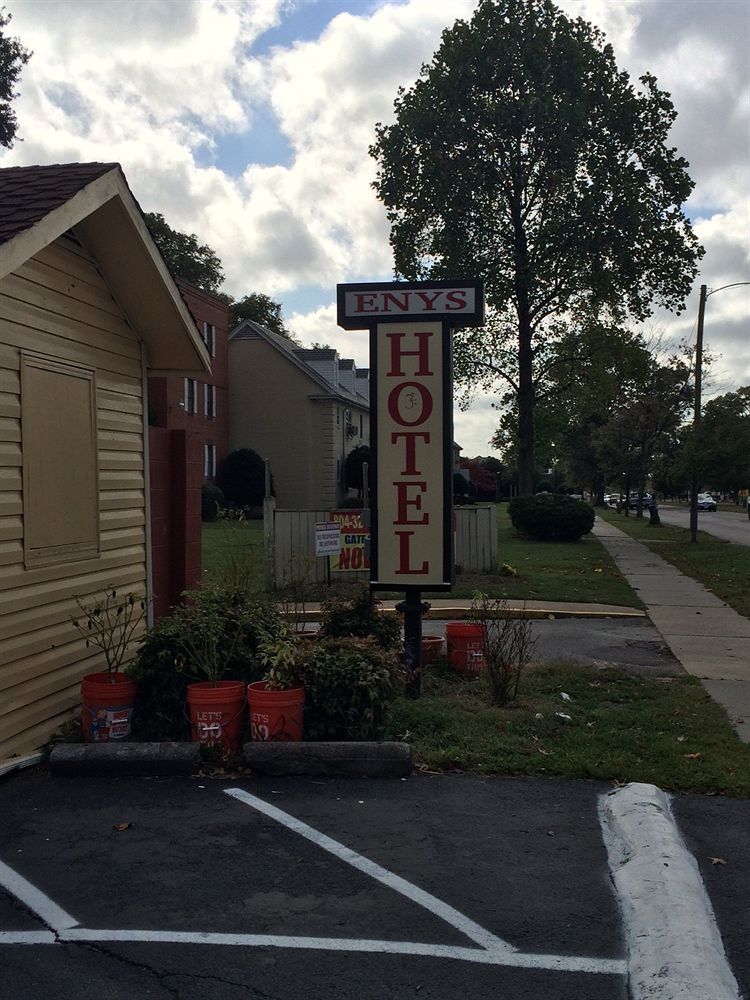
[(57, 304)]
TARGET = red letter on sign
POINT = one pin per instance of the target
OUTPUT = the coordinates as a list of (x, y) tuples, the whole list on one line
[(365, 302), (423, 353), (411, 404), (411, 449), (403, 547), (403, 501)]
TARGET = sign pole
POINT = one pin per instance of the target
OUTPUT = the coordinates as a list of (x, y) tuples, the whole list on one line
[(411, 416)]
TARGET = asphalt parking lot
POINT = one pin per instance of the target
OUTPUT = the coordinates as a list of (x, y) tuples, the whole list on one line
[(436, 886)]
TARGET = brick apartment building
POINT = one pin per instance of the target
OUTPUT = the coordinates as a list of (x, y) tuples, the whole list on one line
[(199, 406)]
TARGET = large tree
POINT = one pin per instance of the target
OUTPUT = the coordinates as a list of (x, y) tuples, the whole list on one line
[(718, 449), (260, 308), (522, 155), (13, 57), (184, 255)]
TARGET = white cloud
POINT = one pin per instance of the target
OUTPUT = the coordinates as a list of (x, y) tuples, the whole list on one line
[(163, 86)]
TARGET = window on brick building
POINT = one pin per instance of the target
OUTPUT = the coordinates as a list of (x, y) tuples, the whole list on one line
[(209, 338), (209, 461), (191, 395), (209, 400)]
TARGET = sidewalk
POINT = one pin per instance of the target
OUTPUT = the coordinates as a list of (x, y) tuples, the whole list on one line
[(710, 639)]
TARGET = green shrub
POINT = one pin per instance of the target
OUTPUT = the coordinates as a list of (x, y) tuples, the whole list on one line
[(551, 517), (162, 665), (212, 499), (242, 477), (358, 616), (349, 685)]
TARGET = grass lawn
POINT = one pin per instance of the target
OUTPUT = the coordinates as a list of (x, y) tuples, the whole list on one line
[(622, 728), (546, 571), (551, 571), (720, 566), (234, 548)]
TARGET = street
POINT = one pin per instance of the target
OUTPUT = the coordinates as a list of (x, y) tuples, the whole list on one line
[(727, 524)]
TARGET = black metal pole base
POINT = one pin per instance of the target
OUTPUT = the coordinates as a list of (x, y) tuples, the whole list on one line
[(412, 608)]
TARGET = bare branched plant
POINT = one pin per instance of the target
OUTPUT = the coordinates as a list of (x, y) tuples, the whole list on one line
[(110, 622), (507, 645)]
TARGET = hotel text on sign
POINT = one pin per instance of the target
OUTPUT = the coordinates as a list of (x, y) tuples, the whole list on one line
[(410, 450), (411, 411)]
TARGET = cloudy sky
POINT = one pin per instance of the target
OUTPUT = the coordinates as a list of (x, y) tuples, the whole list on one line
[(247, 122)]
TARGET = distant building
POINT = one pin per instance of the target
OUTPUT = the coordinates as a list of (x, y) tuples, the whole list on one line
[(303, 409), (200, 406)]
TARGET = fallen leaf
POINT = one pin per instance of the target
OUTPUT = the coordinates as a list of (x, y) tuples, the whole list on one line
[(717, 861), (562, 715), (545, 753), (565, 696), (681, 739), (692, 756), (122, 826)]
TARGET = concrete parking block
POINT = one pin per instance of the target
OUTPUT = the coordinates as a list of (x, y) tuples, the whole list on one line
[(131, 759), (330, 759)]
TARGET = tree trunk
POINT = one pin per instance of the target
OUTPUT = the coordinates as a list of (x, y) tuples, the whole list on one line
[(525, 409)]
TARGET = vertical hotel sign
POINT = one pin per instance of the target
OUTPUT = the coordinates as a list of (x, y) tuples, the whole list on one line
[(411, 410)]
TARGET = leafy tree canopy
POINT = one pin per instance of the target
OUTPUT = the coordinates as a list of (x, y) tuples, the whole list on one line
[(184, 256), (718, 449), (13, 57), (522, 155), (261, 309)]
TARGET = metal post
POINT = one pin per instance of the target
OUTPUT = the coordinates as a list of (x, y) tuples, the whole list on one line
[(697, 410), (412, 609)]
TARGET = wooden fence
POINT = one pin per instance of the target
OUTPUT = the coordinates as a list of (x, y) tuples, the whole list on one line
[(290, 544)]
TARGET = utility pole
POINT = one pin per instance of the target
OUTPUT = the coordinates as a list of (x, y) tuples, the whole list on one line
[(697, 408)]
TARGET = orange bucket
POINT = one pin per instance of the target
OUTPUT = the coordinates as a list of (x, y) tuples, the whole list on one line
[(106, 707), (465, 647), (432, 647), (216, 714), (275, 715)]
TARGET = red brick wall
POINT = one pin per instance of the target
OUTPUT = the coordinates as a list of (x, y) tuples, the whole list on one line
[(167, 394), (176, 473)]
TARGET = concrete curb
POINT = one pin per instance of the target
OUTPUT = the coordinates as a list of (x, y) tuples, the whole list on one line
[(351, 760), (675, 951), (125, 759), (459, 613), (330, 760)]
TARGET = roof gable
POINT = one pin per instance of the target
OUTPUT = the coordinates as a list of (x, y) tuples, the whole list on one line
[(28, 194), (41, 203), (250, 330)]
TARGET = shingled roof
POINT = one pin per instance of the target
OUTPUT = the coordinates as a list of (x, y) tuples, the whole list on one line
[(28, 194)]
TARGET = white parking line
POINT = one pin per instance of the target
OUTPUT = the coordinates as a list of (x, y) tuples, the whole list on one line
[(492, 950), (431, 903), (50, 913)]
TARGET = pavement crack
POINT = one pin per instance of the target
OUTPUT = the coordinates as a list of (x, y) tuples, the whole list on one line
[(161, 977)]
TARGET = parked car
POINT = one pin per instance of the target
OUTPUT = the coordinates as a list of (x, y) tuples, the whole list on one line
[(648, 501), (706, 502)]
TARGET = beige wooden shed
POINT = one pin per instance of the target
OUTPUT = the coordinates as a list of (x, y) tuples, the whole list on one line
[(88, 310)]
